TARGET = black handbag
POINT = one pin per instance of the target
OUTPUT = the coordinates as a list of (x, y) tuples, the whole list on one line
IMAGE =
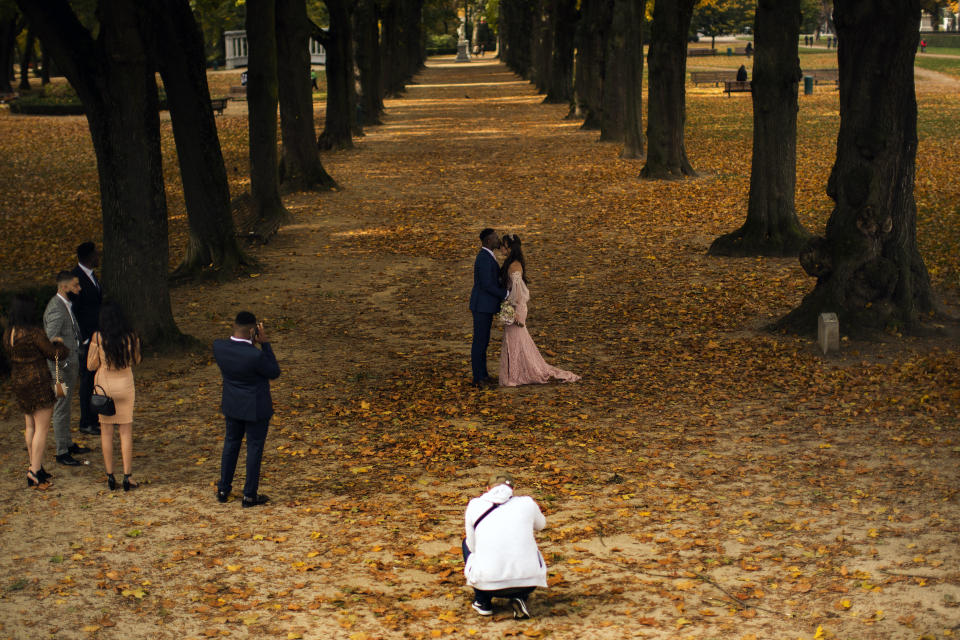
[(102, 403)]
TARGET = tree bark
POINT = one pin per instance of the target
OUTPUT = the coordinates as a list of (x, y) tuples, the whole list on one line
[(338, 41), (868, 266), (414, 46), (613, 90), (367, 38), (119, 94), (559, 80), (25, 61), (301, 168), (772, 227), (266, 211), (633, 80), (178, 49), (392, 53), (45, 69), (590, 67), (541, 45), (666, 102), (8, 42), (516, 24)]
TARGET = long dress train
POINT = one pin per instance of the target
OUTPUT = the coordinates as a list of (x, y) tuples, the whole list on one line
[(520, 360)]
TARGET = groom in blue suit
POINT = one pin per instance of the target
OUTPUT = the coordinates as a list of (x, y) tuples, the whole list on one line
[(485, 301), (247, 405)]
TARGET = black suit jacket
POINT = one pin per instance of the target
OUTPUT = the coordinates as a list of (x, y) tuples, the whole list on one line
[(247, 372), (86, 305)]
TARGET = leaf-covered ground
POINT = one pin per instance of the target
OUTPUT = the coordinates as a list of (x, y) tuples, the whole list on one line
[(705, 479)]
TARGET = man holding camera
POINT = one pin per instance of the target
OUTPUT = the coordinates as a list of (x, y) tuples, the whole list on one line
[(247, 405)]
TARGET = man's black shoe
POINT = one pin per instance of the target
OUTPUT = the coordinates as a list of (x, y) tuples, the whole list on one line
[(222, 496), (90, 429), (78, 449), (253, 502), (68, 460)]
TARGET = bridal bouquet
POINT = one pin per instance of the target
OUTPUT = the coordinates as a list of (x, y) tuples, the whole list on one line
[(507, 314)]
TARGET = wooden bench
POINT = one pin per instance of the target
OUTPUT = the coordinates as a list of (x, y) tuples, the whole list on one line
[(700, 51), (736, 86), (238, 93), (824, 75), (218, 105), (714, 77)]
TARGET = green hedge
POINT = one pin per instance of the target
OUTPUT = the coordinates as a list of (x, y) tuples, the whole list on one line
[(941, 39), (28, 107)]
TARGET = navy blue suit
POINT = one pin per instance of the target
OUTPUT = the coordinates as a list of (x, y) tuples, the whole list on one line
[(485, 299), (247, 407)]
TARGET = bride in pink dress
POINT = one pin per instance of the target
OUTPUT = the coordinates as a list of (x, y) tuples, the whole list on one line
[(520, 360)]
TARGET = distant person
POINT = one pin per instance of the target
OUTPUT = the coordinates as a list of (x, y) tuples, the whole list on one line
[(114, 349), (246, 402), (748, 49), (520, 360), (485, 299), (86, 308), (923, 45), (59, 322), (313, 79), (742, 73), (28, 350), (500, 554)]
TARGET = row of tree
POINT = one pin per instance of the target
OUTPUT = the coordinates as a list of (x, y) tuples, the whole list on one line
[(868, 267), (112, 56)]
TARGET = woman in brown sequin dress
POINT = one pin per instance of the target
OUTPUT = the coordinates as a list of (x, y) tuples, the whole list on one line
[(28, 350)]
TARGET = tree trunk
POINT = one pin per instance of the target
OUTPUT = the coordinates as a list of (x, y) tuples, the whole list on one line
[(392, 63), (559, 81), (633, 80), (593, 28), (541, 45), (179, 53), (367, 38), (119, 94), (25, 61), (337, 131), (868, 267), (666, 102), (266, 211), (613, 110), (8, 42), (45, 61), (414, 46), (517, 27), (301, 166), (772, 227)]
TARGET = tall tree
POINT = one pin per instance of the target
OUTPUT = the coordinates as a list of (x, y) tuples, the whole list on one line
[(25, 59), (666, 102), (266, 211), (414, 46), (590, 65), (367, 38), (559, 78), (632, 79), (392, 64), (301, 166), (772, 227), (11, 22), (516, 33), (112, 77), (178, 51), (868, 266), (721, 17), (338, 42)]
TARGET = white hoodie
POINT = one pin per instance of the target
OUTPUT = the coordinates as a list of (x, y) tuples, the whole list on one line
[(504, 552)]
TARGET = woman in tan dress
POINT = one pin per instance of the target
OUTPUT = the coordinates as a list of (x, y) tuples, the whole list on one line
[(113, 352), (28, 350)]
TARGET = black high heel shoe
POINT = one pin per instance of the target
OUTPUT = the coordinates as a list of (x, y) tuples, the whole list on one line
[(42, 475), (34, 481), (127, 485), (111, 481)]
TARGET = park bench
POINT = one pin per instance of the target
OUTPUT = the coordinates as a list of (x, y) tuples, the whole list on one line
[(715, 77), (238, 93), (736, 86), (700, 51), (824, 75), (218, 105)]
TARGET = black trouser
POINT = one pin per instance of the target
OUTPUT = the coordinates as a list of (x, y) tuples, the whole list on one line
[(485, 598), (482, 324), (256, 433)]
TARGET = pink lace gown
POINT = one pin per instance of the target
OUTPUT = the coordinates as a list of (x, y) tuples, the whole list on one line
[(520, 360)]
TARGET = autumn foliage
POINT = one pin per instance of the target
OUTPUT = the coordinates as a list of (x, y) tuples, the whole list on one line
[(706, 478)]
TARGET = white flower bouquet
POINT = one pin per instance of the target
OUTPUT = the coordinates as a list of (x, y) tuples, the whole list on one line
[(507, 314)]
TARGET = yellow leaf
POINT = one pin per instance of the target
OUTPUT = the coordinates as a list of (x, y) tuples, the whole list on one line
[(359, 469), (845, 604), (233, 567), (819, 633), (359, 635), (293, 635), (364, 404), (448, 616)]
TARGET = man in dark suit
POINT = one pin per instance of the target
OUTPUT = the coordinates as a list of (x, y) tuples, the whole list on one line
[(86, 307), (247, 406), (485, 299)]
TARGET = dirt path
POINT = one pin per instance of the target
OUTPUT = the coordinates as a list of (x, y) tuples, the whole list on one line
[(705, 479)]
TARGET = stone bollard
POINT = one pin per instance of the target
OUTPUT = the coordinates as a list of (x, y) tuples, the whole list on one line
[(828, 332)]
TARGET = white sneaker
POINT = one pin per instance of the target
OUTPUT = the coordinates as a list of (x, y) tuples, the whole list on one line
[(520, 611)]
